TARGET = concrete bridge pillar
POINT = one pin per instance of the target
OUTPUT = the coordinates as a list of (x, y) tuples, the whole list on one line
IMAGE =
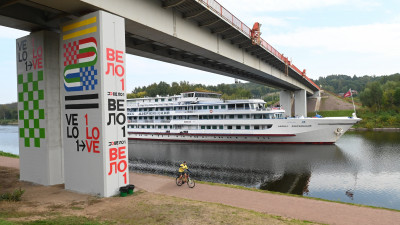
[(93, 93), (300, 103), (72, 105), (285, 98), (39, 122)]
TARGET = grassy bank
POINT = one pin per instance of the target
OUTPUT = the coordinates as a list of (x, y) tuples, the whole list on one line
[(8, 122), (370, 119), (58, 206), (6, 154)]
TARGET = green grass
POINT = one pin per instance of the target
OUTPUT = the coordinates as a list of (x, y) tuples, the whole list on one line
[(61, 220), (6, 154), (8, 122)]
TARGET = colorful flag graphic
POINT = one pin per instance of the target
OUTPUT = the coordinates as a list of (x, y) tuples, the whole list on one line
[(80, 56)]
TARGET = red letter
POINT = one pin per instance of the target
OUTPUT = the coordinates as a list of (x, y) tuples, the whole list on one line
[(108, 68), (115, 166), (121, 152), (124, 164), (110, 54), (113, 154), (120, 74), (87, 133), (95, 146), (119, 55)]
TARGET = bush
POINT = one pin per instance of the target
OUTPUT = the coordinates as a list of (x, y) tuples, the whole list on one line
[(14, 196)]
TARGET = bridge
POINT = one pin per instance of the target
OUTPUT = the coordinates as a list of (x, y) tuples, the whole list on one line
[(199, 34)]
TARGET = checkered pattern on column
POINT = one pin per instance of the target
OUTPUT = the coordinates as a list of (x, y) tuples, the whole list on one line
[(31, 108), (88, 77), (71, 53)]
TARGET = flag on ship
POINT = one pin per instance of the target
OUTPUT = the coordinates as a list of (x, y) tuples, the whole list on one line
[(348, 94)]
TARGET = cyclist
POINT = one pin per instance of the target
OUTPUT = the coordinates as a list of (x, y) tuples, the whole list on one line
[(183, 170)]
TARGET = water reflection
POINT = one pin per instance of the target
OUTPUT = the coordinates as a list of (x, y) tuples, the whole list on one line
[(282, 168), (361, 168)]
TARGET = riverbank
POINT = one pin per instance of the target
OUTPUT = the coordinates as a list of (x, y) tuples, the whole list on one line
[(375, 129), (159, 201)]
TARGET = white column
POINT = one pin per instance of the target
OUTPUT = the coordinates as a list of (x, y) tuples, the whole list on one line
[(40, 146), (94, 104), (285, 99), (300, 103)]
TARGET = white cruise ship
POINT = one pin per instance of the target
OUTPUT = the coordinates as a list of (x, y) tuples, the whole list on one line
[(205, 117)]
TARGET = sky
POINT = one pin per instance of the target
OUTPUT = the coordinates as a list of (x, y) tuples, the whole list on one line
[(352, 37)]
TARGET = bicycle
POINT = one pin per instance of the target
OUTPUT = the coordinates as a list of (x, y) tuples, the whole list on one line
[(190, 182)]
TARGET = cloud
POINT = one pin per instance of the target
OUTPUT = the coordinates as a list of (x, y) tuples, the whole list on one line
[(6, 32), (373, 38), (293, 5)]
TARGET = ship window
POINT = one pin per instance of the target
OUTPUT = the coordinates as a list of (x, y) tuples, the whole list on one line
[(204, 107), (246, 106), (231, 116), (145, 109), (240, 116), (156, 117), (216, 116), (223, 106), (229, 127), (256, 127), (148, 126), (156, 99), (269, 126), (238, 127), (174, 117), (221, 127), (231, 106), (142, 126), (161, 117), (161, 109), (168, 118), (134, 117), (215, 107), (210, 107), (208, 127), (165, 127), (169, 99), (248, 116), (163, 99), (214, 127), (210, 117), (159, 126), (239, 106), (145, 117), (257, 116), (247, 127), (203, 127)]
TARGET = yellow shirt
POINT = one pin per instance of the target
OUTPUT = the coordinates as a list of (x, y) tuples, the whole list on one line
[(182, 168)]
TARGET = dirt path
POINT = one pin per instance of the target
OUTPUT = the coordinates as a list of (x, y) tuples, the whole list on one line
[(292, 207)]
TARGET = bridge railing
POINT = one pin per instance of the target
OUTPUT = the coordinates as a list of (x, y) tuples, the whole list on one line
[(234, 21)]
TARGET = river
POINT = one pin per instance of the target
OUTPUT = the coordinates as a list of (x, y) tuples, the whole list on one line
[(362, 167)]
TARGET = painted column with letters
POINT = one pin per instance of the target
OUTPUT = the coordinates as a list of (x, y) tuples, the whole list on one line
[(38, 85), (93, 92)]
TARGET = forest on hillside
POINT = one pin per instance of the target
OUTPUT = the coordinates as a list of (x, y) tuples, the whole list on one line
[(228, 91), (376, 93), (8, 112)]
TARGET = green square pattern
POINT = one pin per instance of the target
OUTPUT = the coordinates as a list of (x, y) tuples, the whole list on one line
[(30, 112)]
